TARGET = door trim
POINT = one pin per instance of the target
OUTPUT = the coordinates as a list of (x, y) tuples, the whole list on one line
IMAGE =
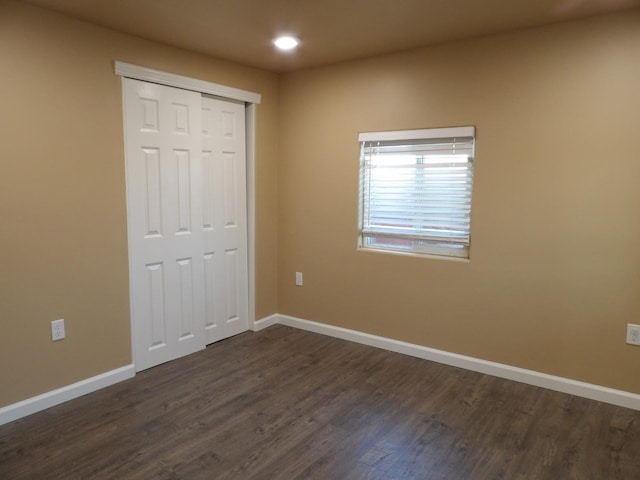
[(250, 153), (251, 99), (173, 80)]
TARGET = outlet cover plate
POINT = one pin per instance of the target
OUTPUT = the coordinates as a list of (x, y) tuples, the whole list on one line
[(633, 334), (57, 330)]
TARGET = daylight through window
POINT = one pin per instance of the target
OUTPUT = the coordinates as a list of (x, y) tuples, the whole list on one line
[(415, 190)]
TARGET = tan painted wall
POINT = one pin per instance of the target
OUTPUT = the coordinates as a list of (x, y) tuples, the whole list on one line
[(554, 274), (62, 193)]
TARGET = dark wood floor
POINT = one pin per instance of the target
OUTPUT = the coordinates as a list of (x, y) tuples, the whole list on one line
[(288, 404)]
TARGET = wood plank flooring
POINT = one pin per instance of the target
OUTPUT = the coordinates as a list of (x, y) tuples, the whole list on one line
[(287, 404)]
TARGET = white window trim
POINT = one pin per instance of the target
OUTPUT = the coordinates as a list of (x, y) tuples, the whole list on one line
[(400, 135), (417, 134)]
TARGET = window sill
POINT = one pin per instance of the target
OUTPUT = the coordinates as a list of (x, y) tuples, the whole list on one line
[(415, 254)]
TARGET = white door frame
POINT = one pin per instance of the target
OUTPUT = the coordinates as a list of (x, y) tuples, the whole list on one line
[(250, 99)]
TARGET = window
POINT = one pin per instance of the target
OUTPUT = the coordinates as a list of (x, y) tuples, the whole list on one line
[(415, 190)]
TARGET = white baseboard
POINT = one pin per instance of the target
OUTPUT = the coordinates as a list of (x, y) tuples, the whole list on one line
[(266, 322), (55, 397), (531, 377)]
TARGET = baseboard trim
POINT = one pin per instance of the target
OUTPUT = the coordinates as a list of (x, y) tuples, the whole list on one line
[(621, 398), (266, 322), (55, 397), (531, 377)]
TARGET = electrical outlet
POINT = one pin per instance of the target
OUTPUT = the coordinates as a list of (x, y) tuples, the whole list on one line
[(633, 334), (299, 279), (57, 330)]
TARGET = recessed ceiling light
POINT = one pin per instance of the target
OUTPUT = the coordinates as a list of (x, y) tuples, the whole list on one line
[(286, 42)]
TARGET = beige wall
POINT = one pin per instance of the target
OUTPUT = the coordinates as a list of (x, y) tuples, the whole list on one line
[(553, 277), (554, 271), (62, 193)]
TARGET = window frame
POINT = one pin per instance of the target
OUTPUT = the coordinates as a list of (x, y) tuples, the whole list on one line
[(416, 244)]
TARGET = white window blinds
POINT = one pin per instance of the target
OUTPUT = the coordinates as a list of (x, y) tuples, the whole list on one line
[(416, 190)]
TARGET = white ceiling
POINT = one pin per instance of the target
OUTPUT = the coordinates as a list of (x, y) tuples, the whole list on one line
[(330, 30)]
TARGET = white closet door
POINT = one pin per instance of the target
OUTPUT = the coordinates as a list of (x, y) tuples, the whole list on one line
[(166, 241), (224, 218)]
